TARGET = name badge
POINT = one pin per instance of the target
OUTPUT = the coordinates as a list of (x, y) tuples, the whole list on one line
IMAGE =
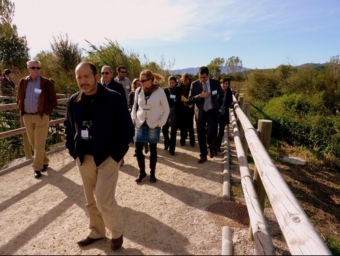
[(214, 92), (172, 96), (37, 90), (146, 107), (127, 87), (85, 134)]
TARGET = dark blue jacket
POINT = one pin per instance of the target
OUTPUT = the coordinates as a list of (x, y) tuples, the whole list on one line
[(111, 126)]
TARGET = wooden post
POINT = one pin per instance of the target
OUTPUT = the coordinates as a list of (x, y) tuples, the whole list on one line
[(246, 111), (240, 100), (264, 129), (27, 144), (264, 132)]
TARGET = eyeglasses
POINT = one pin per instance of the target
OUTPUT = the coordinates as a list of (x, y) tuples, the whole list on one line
[(105, 73), (122, 72), (35, 68), (143, 81)]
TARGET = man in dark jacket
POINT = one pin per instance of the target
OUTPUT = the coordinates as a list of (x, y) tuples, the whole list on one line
[(98, 130), (110, 83), (206, 93)]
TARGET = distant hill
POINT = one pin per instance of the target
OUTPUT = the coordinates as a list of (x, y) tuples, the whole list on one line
[(194, 71), (224, 70)]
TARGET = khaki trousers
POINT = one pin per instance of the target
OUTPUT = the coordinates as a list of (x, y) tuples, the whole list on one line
[(37, 129), (99, 184)]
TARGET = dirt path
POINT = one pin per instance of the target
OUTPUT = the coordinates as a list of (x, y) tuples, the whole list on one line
[(173, 216)]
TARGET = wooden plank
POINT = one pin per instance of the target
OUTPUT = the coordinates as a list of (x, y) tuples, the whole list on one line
[(262, 239), (22, 130)]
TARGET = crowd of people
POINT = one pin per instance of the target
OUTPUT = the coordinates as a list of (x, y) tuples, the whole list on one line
[(107, 114)]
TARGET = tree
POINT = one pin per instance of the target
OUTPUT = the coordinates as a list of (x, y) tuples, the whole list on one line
[(113, 55), (233, 65), (67, 54), (215, 67), (13, 49)]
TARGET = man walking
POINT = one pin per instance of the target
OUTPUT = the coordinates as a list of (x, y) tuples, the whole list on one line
[(36, 100), (98, 130), (125, 81), (108, 81), (207, 95)]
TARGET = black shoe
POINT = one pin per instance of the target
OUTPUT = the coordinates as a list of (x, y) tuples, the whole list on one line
[(202, 160), (211, 153), (140, 177), (172, 153), (152, 178), (166, 147), (192, 144), (44, 168), (37, 174)]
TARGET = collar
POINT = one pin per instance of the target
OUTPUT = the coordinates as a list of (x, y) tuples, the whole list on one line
[(29, 78)]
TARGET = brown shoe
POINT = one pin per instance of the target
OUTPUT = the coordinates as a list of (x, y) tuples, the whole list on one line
[(116, 243), (88, 240), (202, 160)]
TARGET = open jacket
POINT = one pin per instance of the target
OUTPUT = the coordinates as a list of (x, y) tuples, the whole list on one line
[(216, 97), (47, 98), (112, 126), (157, 111)]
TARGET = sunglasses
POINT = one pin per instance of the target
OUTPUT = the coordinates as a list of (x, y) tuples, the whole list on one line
[(105, 73), (143, 81), (35, 68), (122, 72)]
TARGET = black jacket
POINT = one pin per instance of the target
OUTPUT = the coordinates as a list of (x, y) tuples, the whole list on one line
[(118, 87), (112, 128), (216, 99)]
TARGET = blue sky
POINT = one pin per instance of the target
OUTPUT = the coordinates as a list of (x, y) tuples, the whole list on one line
[(190, 33)]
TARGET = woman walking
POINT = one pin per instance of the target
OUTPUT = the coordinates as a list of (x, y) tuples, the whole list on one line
[(186, 117), (173, 94), (223, 119), (135, 84), (149, 113)]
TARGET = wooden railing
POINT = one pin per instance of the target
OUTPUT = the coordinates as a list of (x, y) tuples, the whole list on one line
[(299, 233), (22, 130)]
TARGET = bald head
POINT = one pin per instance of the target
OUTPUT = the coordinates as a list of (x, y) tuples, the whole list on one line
[(86, 75)]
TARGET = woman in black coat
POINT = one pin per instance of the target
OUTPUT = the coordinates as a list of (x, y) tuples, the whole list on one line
[(223, 120)]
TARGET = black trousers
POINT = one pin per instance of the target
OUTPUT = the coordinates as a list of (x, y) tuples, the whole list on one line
[(207, 131), (222, 122), (170, 141), (186, 126)]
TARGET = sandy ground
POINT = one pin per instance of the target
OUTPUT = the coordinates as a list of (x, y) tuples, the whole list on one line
[(183, 213)]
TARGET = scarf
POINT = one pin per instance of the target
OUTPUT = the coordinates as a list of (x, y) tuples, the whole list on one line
[(151, 89)]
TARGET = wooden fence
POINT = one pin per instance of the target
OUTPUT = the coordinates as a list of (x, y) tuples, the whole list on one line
[(299, 233), (22, 130)]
